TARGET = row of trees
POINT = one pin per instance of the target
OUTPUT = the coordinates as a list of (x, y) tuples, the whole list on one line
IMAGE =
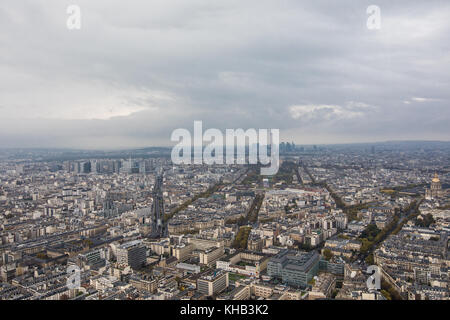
[(337, 199), (388, 291), (253, 175), (413, 211), (352, 211), (285, 172), (252, 215), (240, 242), (218, 186), (187, 203), (373, 235), (370, 232)]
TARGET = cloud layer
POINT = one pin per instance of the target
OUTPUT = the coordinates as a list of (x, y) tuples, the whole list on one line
[(138, 70)]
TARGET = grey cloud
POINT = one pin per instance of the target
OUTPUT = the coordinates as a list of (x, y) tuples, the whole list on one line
[(138, 70)]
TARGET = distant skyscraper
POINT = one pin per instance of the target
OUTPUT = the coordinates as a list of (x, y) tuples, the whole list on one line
[(95, 166), (126, 166), (86, 167)]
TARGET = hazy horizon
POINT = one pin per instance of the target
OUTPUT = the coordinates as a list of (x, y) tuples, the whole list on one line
[(206, 143)]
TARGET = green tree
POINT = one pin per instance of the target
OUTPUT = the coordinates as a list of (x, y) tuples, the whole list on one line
[(327, 254), (386, 294), (370, 260)]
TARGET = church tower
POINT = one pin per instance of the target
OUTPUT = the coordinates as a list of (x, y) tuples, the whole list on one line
[(435, 190)]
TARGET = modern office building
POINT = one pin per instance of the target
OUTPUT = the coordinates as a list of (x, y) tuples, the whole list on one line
[(93, 258), (244, 262), (294, 268), (213, 283), (132, 254)]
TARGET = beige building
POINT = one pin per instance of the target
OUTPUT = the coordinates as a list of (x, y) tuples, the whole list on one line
[(261, 290), (238, 293), (213, 283), (323, 287), (182, 252), (210, 255)]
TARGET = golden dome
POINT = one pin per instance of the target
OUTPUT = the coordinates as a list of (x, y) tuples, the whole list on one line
[(436, 178)]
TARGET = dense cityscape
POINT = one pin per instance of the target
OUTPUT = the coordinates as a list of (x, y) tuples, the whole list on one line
[(220, 159), (131, 225)]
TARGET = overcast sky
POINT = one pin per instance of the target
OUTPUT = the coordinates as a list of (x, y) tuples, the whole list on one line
[(137, 70)]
